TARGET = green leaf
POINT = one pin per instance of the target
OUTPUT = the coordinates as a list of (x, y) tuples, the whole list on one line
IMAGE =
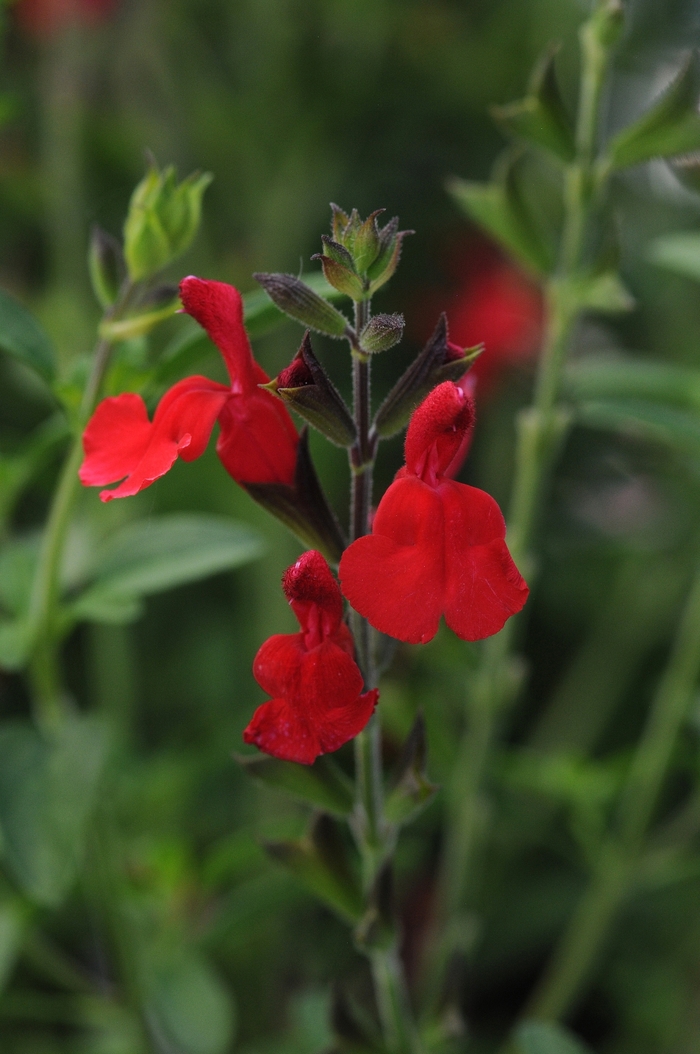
[(670, 127), (603, 292), (152, 555), (19, 468), (321, 863), (323, 784), (15, 643), (541, 118), (678, 252), (543, 1037), (17, 563), (47, 790), (412, 789), (188, 1005), (651, 421), (499, 208), (22, 337), (608, 377), (13, 921)]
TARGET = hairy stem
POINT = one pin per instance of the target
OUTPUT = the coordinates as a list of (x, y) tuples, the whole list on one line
[(583, 940), (540, 430), (44, 670), (374, 835)]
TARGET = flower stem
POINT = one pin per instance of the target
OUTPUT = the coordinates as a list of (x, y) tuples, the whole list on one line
[(48, 698), (374, 835), (582, 942), (540, 430)]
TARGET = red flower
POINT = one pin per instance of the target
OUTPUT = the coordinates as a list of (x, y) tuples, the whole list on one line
[(258, 441), (42, 18), (315, 681), (437, 546)]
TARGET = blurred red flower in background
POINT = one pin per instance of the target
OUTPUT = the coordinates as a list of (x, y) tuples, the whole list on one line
[(492, 301), (315, 682), (43, 18)]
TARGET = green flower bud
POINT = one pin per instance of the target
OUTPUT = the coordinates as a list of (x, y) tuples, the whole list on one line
[(295, 298), (381, 333), (106, 266), (162, 220)]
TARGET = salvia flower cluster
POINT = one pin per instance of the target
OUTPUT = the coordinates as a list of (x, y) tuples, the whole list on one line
[(434, 547)]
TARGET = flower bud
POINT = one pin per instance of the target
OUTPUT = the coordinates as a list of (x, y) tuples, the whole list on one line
[(387, 260), (439, 361), (106, 266), (381, 333), (295, 298), (162, 220), (339, 269), (306, 388)]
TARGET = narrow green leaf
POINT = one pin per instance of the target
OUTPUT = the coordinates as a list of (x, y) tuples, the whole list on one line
[(320, 862), (491, 206), (615, 377), (671, 126), (13, 920), (323, 784), (541, 118), (47, 790), (605, 293), (662, 424), (188, 1003), (544, 1037), (152, 555), (678, 252), (23, 338)]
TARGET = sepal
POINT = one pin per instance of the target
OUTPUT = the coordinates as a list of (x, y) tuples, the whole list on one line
[(412, 790), (306, 388), (381, 333), (670, 127), (541, 118), (339, 270), (321, 862), (439, 361), (106, 266), (323, 784), (157, 305), (303, 507), (297, 300), (387, 260)]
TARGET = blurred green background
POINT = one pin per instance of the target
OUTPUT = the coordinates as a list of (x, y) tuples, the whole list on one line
[(369, 103)]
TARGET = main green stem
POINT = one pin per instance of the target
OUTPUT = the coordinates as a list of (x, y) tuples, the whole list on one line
[(573, 959), (374, 834), (540, 429), (44, 670)]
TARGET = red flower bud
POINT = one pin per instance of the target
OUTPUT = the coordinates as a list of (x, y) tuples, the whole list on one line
[(315, 682), (437, 547)]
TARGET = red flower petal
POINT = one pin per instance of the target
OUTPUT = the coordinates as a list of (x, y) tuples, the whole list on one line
[(315, 598), (258, 440), (437, 430), (119, 441), (218, 308), (318, 705), (394, 577), (483, 585)]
